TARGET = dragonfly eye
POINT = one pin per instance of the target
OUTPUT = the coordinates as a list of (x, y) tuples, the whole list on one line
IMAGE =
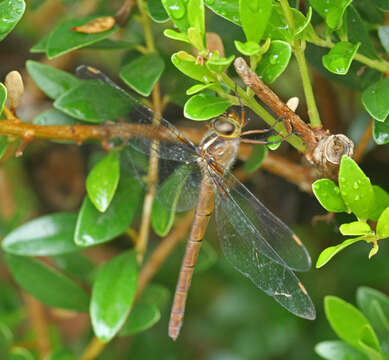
[(224, 127)]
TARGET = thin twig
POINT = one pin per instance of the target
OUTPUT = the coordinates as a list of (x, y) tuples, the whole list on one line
[(94, 348), (361, 147)]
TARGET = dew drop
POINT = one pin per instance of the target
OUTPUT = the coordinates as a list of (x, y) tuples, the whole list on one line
[(355, 185), (176, 8), (357, 197)]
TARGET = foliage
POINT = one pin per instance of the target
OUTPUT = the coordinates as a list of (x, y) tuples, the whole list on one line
[(47, 255)]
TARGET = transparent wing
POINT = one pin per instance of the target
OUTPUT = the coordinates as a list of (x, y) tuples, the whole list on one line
[(240, 240), (267, 234), (172, 144)]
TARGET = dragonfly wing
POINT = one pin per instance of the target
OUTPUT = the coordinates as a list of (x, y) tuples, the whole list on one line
[(272, 277), (267, 234), (172, 144)]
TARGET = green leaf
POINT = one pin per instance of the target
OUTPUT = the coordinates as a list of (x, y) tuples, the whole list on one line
[(248, 48), (19, 353), (376, 99), (6, 338), (142, 73), (219, 65), (41, 45), (115, 220), (355, 188), (327, 254), (337, 350), (47, 285), (53, 82), (177, 11), (274, 142), (331, 10), (61, 354), (382, 229), (339, 58), (108, 44), (375, 305), (103, 180), (254, 17), (3, 96), (348, 322), (226, 9), (113, 294), (10, 14), (76, 265), (54, 117), (383, 35), (258, 154), (369, 343), (204, 107), (171, 34), (382, 5), (157, 11), (355, 228), (199, 87), (63, 39), (381, 131), (142, 317), (328, 194), (164, 206), (47, 235), (358, 33), (274, 61), (381, 202), (196, 15), (94, 101), (3, 145), (187, 65), (195, 38)]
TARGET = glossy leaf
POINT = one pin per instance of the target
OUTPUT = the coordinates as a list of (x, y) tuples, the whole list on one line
[(383, 34), (115, 220), (94, 101), (198, 88), (226, 9), (355, 228), (219, 65), (53, 82), (204, 107), (331, 10), (47, 285), (274, 61), (196, 15), (328, 194), (77, 265), (113, 294), (339, 58), (103, 180), (187, 65), (327, 254), (334, 350), (142, 73), (258, 154), (64, 39), (382, 5), (381, 131), (41, 45), (54, 117), (376, 99), (157, 11), (375, 305), (348, 322), (177, 11), (164, 206), (381, 202), (358, 33), (47, 235), (108, 44), (355, 188), (157, 295), (19, 353), (142, 317), (247, 48), (382, 229), (3, 96), (274, 142), (254, 16), (171, 34), (10, 14)]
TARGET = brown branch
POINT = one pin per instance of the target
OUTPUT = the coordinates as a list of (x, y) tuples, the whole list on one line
[(324, 151), (364, 142)]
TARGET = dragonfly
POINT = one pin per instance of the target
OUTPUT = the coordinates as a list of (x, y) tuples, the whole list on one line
[(254, 241)]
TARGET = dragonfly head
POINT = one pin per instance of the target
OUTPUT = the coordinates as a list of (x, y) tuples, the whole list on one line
[(227, 126)]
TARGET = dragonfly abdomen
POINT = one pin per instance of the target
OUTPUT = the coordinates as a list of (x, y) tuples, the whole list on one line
[(204, 209)]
